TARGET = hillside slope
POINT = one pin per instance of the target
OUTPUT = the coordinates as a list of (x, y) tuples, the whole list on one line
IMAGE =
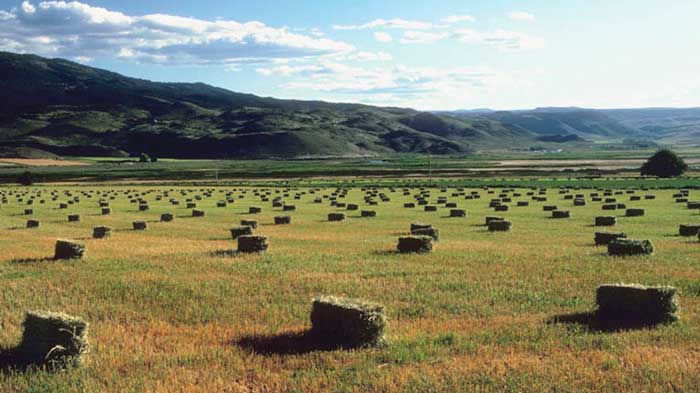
[(65, 108)]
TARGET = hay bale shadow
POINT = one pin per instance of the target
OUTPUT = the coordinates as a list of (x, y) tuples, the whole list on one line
[(223, 253), (11, 361), (594, 322), (32, 260), (290, 343), (385, 252)]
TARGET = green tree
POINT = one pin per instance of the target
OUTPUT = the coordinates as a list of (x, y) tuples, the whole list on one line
[(154, 158), (143, 157), (664, 163), (26, 179)]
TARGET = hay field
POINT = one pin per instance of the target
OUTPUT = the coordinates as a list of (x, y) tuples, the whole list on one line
[(172, 309)]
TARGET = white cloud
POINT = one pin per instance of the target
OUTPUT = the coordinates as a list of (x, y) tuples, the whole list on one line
[(396, 23), (452, 19), (422, 37), (383, 36), (74, 29), (521, 16), (368, 56), (503, 40)]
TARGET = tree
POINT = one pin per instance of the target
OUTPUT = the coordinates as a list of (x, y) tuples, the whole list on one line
[(144, 157), (26, 179), (664, 163), (154, 158)]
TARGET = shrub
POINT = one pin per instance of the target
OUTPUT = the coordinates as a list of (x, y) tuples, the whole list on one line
[(251, 243), (664, 163), (66, 249), (637, 302), (54, 339), (348, 322), (627, 247), (415, 244)]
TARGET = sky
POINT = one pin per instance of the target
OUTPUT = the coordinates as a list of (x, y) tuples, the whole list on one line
[(428, 55)]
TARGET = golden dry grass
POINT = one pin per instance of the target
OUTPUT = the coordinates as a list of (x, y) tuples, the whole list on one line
[(169, 307)]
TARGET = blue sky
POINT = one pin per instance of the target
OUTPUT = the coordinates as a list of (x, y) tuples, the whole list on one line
[(444, 54)]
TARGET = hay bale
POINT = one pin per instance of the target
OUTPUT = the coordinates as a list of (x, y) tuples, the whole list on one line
[(605, 221), (688, 230), (458, 213), (336, 216), (432, 232), (166, 217), (430, 208), (637, 302), (561, 214), (254, 210), (250, 223), (288, 208), (252, 243), (409, 205), (74, 218), (368, 213), (611, 206), (415, 244), (283, 220), (101, 232), (143, 207), (106, 211), (139, 225), (604, 238), (28, 212), (53, 339), (198, 213), (628, 247), (352, 206), (348, 322), (490, 219), (33, 223), (237, 232), (634, 212), (500, 226), (66, 249), (501, 208)]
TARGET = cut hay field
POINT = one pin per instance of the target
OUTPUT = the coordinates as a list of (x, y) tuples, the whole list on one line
[(175, 309)]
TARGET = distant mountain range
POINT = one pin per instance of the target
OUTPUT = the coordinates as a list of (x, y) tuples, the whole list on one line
[(54, 106)]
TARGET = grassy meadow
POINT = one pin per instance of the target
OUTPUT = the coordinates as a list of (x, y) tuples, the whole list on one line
[(173, 309)]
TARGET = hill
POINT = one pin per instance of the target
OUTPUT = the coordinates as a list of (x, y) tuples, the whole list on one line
[(64, 108)]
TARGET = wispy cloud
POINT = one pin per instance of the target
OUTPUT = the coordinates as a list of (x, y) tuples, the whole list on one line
[(80, 31), (396, 23), (452, 19), (422, 37), (521, 16), (383, 36)]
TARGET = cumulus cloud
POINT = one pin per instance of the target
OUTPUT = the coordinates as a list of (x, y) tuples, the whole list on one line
[(521, 16), (383, 36), (78, 30), (396, 23)]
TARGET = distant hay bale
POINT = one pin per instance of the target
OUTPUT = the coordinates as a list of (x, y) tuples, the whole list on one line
[(430, 208), (106, 211), (283, 220), (611, 206), (101, 232), (500, 226), (561, 214), (336, 216), (368, 213), (139, 225), (450, 205), (66, 249), (523, 203), (198, 213), (28, 212), (348, 322), (143, 207), (352, 206), (252, 243), (634, 212), (432, 232), (688, 230), (167, 217), (33, 223), (250, 223), (53, 339), (254, 210), (415, 244), (237, 232), (579, 202), (490, 219), (73, 217), (629, 247), (604, 238), (458, 213), (289, 208), (605, 221), (637, 302), (419, 225), (221, 204), (501, 208)]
